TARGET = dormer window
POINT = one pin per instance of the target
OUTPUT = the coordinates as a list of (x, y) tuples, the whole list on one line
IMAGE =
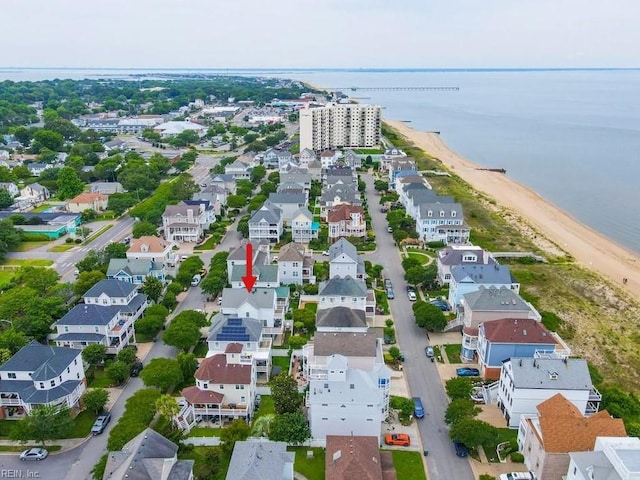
[(429, 213), (441, 213), (453, 213), (553, 375)]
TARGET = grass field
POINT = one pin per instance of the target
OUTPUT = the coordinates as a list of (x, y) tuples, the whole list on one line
[(504, 435), (92, 237), (282, 362), (311, 468), (408, 465), (210, 244), (41, 208), (266, 407), (6, 276), (27, 246), (27, 262), (100, 380), (61, 248), (453, 352)]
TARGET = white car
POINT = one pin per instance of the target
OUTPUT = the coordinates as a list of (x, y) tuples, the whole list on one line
[(517, 476), (412, 296), (325, 253), (389, 229)]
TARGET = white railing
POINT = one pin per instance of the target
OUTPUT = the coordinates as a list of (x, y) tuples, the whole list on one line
[(10, 401)]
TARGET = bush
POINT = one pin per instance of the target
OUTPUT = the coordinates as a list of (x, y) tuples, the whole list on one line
[(68, 240), (78, 240), (439, 244), (140, 409), (296, 341), (517, 457), (310, 289)]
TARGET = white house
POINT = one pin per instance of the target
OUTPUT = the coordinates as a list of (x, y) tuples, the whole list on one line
[(469, 278), (527, 382), (238, 170), (344, 261), (107, 316), (303, 228), (295, 265), (306, 157), (347, 292), (184, 223), (328, 158), (266, 223), (453, 255), (152, 248), (41, 375), (288, 203), (612, 458), (11, 188), (261, 304), (442, 222)]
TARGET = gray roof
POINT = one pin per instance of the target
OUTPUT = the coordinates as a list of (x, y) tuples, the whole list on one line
[(143, 458), (258, 297), (340, 317), (112, 288), (90, 314), (342, 191), (181, 209), (135, 303), (249, 330), (30, 394), (132, 266), (348, 344), (596, 462), (240, 252), (343, 246), (339, 172), (45, 361), (492, 298), (438, 208), (80, 337), (483, 274), (284, 197), (291, 252), (403, 164), (453, 256), (223, 177), (347, 286), (535, 373), (427, 196), (260, 460), (268, 212), (304, 211), (265, 273), (295, 177)]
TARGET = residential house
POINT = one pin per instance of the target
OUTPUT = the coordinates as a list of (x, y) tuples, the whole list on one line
[(347, 292), (260, 303), (510, 337), (152, 248), (295, 264), (33, 194), (274, 157), (337, 195), (398, 168), (286, 162), (215, 195), (352, 159), (225, 389), (266, 223), (39, 375), (106, 188), (303, 227), (407, 183), (315, 170), (225, 182), (469, 278), (11, 188), (527, 382), (293, 188), (349, 457), (237, 259), (88, 201), (36, 168), (267, 276), (246, 331), (148, 456), (341, 319), (184, 223), (442, 222), (135, 271), (238, 170), (453, 255), (559, 427), (328, 158), (339, 175), (288, 203), (612, 458), (348, 384), (416, 194), (302, 179), (261, 459), (346, 220), (107, 316), (209, 216), (485, 305), (306, 157), (344, 261), (390, 154), (115, 144)]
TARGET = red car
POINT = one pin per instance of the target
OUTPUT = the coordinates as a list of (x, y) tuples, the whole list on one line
[(401, 439)]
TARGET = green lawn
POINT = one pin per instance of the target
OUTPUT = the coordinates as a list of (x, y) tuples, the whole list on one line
[(421, 257), (100, 380), (6, 276), (311, 468), (209, 469), (61, 248), (453, 352), (201, 350), (266, 407), (368, 151), (438, 354), (409, 465), (26, 246), (504, 435), (20, 448), (27, 262), (311, 306), (282, 362), (5, 427), (41, 208), (82, 425), (210, 244), (205, 432)]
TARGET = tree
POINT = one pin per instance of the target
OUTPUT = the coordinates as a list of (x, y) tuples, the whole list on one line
[(415, 275), (5, 355), (47, 139), (149, 324), (261, 425), (258, 173), (236, 201), (152, 288), (284, 392), (69, 184), (395, 353), (429, 316), (45, 422), (459, 388), (6, 200), (306, 317), (127, 355), (381, 185), (94, 354), (95, 399), (141, 229), (188, 268), (91, 261), (192, 316), (236, 431), (118, 372), (460, 408), (86, 280), (472, 432), (167, 406), (115, 250), (12, 340), (9, 237), (42, 280), (292, 428), (188, 364), (182, 334), (162, 373)]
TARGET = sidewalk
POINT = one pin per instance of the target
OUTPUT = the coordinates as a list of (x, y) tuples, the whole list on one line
[(66, 444)]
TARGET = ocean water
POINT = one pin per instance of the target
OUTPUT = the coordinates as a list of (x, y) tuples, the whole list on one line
[(573, 136)]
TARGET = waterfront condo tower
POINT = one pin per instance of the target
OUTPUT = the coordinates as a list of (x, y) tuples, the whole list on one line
[(348, 125)]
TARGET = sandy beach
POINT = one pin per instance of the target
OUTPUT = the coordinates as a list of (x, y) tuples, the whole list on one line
[(588, 247)]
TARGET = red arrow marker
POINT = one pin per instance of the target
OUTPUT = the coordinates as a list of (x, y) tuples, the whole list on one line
[(249, 280)]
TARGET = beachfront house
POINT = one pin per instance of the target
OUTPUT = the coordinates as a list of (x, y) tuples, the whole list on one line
[(453, 255), (616, 457), (469, 278), (442, 222)]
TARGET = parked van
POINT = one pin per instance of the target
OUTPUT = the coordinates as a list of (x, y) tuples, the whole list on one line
[(418, 409), (518, 476), (195, 281)]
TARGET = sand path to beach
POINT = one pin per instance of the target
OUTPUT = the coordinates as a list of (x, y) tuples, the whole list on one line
[(588, 247)]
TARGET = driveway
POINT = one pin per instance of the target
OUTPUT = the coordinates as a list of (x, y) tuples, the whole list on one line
[(421, 374)]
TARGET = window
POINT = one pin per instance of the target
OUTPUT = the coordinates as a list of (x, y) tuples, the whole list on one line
[(221, 387), (41, 384), (78, 376), (68, 369), (11, 375), (52, 383), (75, 362), (66, 328), (352, 386)]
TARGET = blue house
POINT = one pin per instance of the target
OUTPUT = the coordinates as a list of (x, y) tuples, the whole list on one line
[(500, 340), (134, 271)]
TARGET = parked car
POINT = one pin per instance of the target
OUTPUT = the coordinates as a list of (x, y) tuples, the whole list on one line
[(518, 476), (100, 424), (428, 351), (387, 283), (467, 372), (441, 304), (136, 368), (389, 229), (325, 253), (412, 296), (390, 294), (418, 409), (411, 288), (461, 449), (275, 258), (401, 439), (34, 454), (195, 281)]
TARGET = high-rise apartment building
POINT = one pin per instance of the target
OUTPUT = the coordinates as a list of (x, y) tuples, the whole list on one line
[(349, 125)]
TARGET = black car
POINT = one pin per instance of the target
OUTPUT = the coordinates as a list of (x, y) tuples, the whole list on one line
[(136, 368), (411, 288), (461, 449)]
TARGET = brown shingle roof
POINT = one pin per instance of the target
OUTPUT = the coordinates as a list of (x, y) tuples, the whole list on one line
[(343, 343), (343, 212), (194, 395), (513, 330), (352, 458), (153, 245), (215, 369), (291, 252), (564, 429), (89, 197)]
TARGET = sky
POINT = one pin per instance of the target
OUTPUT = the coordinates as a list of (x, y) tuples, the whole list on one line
[(320, 33)]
